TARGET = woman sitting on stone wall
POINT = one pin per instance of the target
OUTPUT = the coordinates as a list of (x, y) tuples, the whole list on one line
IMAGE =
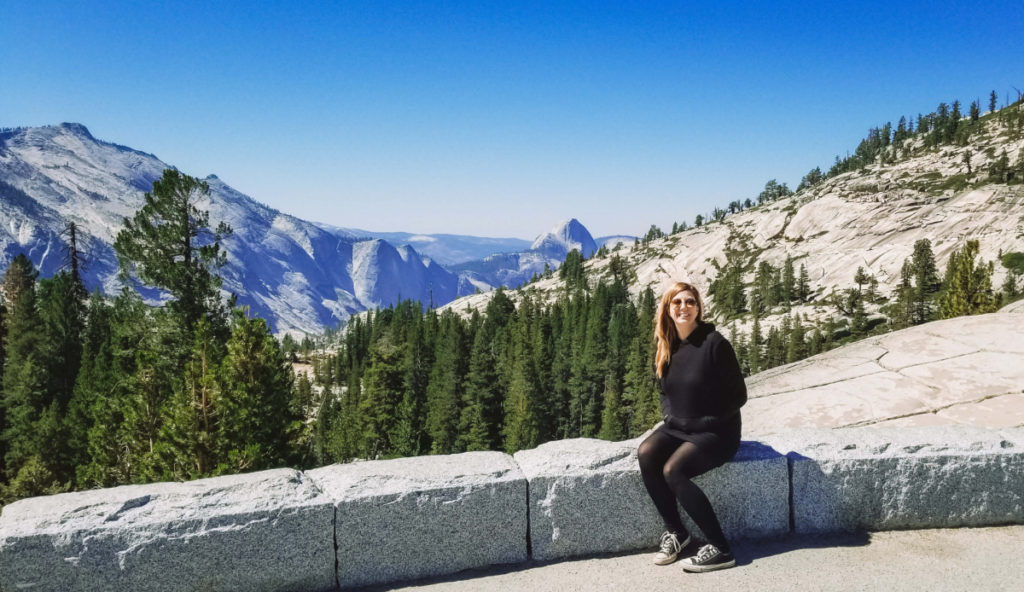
[(702, 390)]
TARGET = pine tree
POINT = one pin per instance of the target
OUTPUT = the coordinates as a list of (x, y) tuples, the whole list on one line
[(762, 297), (613, 423), (189, 432), (639, 401), (788, 281), (1009, 287), (256, 414), (62, 312), (775, 348), (95, 379), (904, 306), (859, 323), (727, 288), (304, 391), (480, 419), (796, 349), (24, 378), (968, 289), (572, 271), (560, 370), (926, 281), (410, 437), (344, 433), (775, 294), (169, 244), (992, 98), (594, 362), (445, 387), (860, 278), (382, 393), (520, 430), (755, 360), (816, 343), (803, 289)]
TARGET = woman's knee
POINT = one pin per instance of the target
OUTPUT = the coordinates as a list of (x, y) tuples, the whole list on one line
[(675, 473), (647, 454)]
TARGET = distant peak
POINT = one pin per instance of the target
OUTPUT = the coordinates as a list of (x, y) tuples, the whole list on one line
[(76, 128), (565, 236)]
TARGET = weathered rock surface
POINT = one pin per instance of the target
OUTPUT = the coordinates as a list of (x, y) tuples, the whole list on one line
[(892, 478), (269, 530), (414, 517), (968, 370), (869, 218), (586, 496)]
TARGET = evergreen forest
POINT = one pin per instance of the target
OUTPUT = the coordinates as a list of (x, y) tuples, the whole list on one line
[(97, 391)]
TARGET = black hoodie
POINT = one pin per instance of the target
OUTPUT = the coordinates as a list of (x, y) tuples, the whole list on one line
[(702, 390)]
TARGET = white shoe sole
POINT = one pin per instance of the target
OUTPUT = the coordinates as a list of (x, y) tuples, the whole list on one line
[(660, 559), (709, 567)]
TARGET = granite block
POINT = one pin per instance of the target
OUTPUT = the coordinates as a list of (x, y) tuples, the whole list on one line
[(410, 518), (587, 497), (269, 530), (895, 478)]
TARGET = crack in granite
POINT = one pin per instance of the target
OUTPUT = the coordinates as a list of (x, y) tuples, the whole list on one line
[(932, 411)]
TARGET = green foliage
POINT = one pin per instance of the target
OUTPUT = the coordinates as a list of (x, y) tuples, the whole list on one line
[(727, 288), (812, 178), (104, 394), (968, 285), (25, 392), (572, 271), (378, 408), (772, 191), (926, 282), (1014, 261), (654, 233), (257, 419), (901, 311), (614, 422), (168, 244)]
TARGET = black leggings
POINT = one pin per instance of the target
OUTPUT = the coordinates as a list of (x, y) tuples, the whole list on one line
[(668, 466)]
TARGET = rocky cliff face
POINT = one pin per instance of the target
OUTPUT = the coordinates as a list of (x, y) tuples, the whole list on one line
[(299, 275), (868, 218), (514, 269)]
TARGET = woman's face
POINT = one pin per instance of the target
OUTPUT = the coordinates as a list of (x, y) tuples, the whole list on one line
[(683, 310)]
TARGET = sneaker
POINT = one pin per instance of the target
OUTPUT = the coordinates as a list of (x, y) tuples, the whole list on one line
[(708, 558), (670, 548)]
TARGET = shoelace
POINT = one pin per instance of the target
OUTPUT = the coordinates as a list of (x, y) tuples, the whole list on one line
[(669, 543), (706, 552)]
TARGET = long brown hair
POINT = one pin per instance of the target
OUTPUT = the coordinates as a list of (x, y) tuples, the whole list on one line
[(665, 328)]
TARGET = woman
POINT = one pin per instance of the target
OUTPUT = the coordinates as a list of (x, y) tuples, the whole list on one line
[(702, 391)]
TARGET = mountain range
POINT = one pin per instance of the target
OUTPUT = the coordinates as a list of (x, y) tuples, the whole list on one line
[(868, 218), (302, 276)]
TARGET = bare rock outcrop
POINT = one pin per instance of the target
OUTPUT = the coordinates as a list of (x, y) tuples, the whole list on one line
[(967, 370)]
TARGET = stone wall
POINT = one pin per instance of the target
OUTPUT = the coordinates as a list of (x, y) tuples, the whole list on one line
[(344, 526)]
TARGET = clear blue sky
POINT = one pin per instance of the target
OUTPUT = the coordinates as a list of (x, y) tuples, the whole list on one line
[(498, 119)]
